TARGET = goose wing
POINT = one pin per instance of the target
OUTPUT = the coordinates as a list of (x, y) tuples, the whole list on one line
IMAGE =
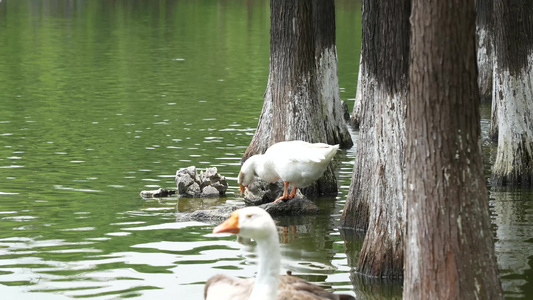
[(300, 163), (223, 287), (291, 287), (300, 152)]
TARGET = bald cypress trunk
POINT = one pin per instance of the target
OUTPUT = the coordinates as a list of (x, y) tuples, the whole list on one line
[(485, 58), (513, 93), (449, 250), (484, 36), (302, 98), (375, 198), (335, 111)]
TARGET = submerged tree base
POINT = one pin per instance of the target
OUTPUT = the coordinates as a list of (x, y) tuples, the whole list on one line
[(516, 171)]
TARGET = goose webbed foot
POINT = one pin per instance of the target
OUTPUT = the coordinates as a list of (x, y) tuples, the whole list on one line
[(286, 195)]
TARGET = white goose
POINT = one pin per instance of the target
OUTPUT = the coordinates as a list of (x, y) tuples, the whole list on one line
[(297, 163), (256, 223)]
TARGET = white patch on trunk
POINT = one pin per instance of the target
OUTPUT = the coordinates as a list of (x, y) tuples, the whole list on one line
[(358, 103), (514, 97), (484, 61), (482, 56), (330, 100), (328, 82), (303, 117)]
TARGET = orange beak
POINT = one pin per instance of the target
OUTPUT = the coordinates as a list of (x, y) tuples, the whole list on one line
[(242, 189), (231, 225)]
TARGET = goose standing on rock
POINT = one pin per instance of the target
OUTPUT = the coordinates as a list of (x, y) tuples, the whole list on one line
[(297, 163), (256, 223)]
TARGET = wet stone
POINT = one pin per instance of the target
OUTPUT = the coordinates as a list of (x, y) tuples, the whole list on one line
[(261, 192), (157, 193), (209, 184)]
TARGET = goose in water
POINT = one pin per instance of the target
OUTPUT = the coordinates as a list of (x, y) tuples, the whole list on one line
[(256, 223), (297, 163)]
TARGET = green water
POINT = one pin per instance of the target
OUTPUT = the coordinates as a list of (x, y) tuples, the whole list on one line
[(102, 99)]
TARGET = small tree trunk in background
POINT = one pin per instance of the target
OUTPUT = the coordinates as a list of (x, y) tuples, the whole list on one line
[(291, 99), (302, 99), (513, 93), (449, 251), (333, 108), (375, 196), (485, 58), (357, 112), (484, 35)]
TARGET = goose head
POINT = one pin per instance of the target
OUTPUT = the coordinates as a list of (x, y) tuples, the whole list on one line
[(249, 222), (247, 173)]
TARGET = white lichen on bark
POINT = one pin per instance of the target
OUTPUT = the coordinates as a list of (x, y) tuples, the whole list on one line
[(331, 103), (355, 118), (514, 97), (484, 62)]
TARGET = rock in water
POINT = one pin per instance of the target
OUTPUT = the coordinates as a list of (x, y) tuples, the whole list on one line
[(157, 193), (296, 206), (261, 192), (208, 184)]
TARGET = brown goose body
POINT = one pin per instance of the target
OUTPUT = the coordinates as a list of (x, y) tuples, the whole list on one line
[(255, 223), (290, 287)]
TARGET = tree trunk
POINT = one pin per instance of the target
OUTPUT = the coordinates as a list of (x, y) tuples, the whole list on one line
[(484, 35), (375, 197), (333, 108), (485, 58), (362, 85), (302, 99), (513, 96), (449, 252)]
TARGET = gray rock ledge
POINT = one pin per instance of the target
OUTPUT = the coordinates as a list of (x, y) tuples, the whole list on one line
[(262, 192), (294, 207)]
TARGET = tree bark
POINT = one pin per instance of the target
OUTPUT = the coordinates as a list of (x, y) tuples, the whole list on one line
[(357, 112), (302, 99), (484, 35), (449, 251), (485, 58), (375, 197), (333, 108), (513, 93)]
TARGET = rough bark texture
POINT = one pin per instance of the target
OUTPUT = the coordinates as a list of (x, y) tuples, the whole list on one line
[(449, 250), (513, 93), (485, 58), (375, 197), (302, 99), (484, 48), (357, 112), (333, 108)]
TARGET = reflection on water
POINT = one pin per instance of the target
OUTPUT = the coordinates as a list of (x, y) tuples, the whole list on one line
[(513, 218), (102, 99)]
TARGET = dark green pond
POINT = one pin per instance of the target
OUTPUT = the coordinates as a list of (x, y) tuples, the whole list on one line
[(102, 99)]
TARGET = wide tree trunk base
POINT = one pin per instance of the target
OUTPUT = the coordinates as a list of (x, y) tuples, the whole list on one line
[(514, 115), (516, 171)]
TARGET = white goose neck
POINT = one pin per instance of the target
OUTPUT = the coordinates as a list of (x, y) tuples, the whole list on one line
[(267, 280)]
